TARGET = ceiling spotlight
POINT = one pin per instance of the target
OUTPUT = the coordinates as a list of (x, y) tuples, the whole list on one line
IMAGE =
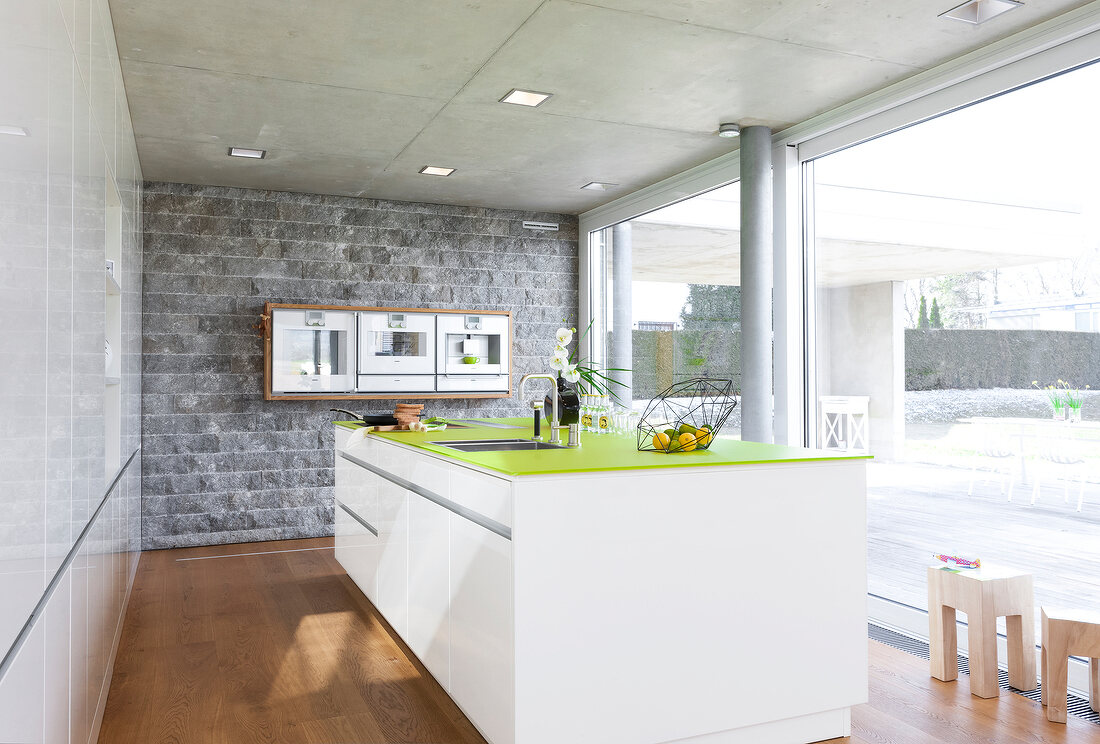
[(16, 131), (525, 97), (980, 11), (728, 130), (598, 186), (435, 170), (246, 152)]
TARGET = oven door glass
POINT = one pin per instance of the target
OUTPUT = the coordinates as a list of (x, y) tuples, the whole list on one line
[(314, 352), (387, 350)]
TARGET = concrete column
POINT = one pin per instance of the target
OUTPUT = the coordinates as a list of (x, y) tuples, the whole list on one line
[(756, 285), (622, 346), (863, 353)]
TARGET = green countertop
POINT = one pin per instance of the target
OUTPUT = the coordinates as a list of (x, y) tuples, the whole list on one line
[(598, 452)]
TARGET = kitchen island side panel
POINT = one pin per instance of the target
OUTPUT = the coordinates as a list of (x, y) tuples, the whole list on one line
[(659, 606)]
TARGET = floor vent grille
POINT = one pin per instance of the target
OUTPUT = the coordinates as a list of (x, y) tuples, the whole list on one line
[(1077, 706)]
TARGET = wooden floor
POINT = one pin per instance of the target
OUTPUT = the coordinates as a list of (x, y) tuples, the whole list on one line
[(281, 647), (277, 647)]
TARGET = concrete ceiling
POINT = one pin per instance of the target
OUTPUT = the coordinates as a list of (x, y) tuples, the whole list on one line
[(354, 97)]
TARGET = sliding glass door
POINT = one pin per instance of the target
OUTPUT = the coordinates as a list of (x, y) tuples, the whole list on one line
[(955, 290)]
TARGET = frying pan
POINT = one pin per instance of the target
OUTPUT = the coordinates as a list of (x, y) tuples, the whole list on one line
[(378, 419)]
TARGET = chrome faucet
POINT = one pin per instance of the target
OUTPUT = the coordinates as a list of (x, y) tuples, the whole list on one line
[(554, 423)]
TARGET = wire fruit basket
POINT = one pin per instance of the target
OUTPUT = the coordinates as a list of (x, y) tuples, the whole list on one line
[(686, 416)]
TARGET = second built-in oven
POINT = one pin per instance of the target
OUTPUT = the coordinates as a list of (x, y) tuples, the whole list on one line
[(396, 351)]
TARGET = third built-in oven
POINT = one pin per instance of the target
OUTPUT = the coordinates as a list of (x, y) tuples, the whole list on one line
[(472, 352), (396, 351)]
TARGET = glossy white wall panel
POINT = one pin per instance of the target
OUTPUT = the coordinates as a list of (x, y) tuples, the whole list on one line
[(481, 671), (56, 675), (429, 583), (101, 82), (52, 190), (21, 707), (59, 534), (80, 714), (24, 101)]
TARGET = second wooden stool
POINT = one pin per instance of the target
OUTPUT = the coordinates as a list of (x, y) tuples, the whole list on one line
[(984, 594), (1068, 632)]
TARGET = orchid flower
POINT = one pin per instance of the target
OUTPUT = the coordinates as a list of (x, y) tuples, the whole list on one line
[(560, 359)]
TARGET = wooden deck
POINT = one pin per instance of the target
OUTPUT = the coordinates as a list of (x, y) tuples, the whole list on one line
[(915, 510)]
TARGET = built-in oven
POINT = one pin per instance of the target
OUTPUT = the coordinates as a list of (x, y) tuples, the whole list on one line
[(472, 352), (312, 351), (396, 351)]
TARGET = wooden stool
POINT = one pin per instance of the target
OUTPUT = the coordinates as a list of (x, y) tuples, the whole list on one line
[(1068, 632), (984, 594)]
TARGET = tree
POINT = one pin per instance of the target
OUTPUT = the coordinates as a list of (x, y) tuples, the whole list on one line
[(922, 319), (711, 307), (934, 319)]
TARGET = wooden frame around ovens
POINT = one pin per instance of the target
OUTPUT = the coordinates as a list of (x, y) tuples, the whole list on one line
[(265, 326)]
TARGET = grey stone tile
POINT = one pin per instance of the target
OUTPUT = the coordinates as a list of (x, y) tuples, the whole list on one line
[(221, 465)]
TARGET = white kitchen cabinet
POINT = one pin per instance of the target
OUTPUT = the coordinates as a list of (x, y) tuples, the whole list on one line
[(481, 628), (429, 586), (393, 557), (357, 551), (561, 591)]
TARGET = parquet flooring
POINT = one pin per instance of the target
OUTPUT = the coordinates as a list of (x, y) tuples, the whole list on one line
[(278, 646)]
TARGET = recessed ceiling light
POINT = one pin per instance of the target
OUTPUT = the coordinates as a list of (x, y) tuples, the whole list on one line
[(599, 186), (980, 11), (246, 152), (728, 130), (525, 97), (435, 170), (16, 131)]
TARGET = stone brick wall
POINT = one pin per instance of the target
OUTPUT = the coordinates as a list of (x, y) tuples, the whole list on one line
[(971, 359), (220, 464)]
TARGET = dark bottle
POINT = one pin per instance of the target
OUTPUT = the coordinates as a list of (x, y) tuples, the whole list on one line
[(569, 405)]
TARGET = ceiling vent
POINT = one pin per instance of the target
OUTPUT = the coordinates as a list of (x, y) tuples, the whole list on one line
[(544, 226)]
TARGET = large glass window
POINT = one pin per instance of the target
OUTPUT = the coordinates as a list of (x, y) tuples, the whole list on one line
[(666, 296), (957, 276)]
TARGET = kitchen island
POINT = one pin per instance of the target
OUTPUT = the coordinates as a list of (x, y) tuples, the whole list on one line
[(609, 596)]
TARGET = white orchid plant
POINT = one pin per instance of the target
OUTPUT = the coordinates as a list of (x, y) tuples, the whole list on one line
[(575, 370)]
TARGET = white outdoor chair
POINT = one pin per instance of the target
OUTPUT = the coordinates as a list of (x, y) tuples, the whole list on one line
[(994, 455), (1062, 458)]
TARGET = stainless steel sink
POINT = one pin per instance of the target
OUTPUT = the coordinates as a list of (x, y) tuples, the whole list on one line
[(496, 445)]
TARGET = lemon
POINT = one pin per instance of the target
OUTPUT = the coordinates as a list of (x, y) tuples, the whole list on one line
[(687, 429), (661, 441), (687, 442)]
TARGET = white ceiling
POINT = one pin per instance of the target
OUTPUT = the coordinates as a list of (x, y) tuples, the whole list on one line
[(353, 97)]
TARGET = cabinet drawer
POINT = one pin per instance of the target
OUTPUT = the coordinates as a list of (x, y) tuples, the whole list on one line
[(471, 383), (484, 494), (357, 551), (396, 384)]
